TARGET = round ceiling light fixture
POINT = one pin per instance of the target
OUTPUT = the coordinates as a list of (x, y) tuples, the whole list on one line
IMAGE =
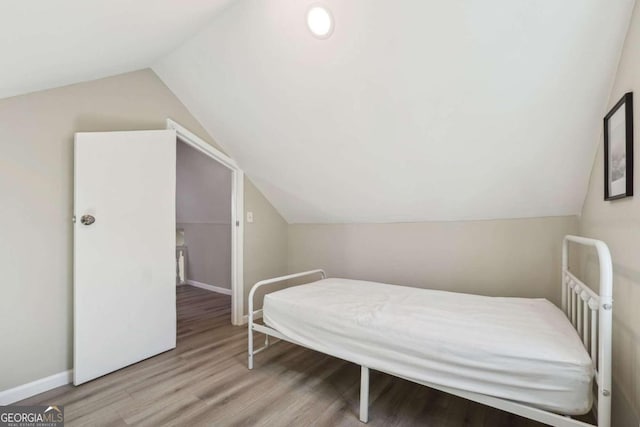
[(320, 21)]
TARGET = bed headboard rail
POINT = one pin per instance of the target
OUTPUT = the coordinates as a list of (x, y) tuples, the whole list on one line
[(591, 314), (582, 309)]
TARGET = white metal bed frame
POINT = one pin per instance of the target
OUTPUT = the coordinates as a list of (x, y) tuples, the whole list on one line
[(590, 314)]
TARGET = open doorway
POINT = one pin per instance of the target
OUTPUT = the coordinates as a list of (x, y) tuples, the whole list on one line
[(209, 210), (203, 224)]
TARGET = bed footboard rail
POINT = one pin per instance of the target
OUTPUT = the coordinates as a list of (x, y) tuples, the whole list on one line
[(253, 313), (591, 314)]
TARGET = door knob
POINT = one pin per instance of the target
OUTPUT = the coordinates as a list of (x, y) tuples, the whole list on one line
[(87, 219)]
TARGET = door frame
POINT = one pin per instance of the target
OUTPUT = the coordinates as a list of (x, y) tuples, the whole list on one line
[(237, 213)]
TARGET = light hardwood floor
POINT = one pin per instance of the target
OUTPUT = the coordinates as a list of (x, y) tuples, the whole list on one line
[(205, 382)]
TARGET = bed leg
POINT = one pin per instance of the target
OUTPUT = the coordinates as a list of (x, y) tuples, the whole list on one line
[(364, 394), (250, 349)]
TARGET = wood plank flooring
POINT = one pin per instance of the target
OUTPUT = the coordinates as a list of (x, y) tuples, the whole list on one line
[(205, 382)]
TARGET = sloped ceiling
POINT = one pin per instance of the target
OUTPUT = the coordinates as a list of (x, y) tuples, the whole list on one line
[(50, 43), (412, 110)]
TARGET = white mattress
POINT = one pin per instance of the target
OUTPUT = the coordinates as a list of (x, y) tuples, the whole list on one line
[(513, 348)]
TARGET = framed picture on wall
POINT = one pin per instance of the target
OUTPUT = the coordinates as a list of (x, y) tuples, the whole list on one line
[(618, 150)]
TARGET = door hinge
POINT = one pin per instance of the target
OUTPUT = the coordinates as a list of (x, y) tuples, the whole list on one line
[(237, 223), (74, 219)]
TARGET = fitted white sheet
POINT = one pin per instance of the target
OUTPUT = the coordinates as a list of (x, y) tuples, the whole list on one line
[(513, 348)]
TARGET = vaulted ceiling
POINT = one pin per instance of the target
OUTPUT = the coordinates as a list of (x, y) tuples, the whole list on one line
[(412, 110), (50, 43)]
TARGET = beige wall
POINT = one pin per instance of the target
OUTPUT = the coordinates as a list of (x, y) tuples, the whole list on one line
[(618, 224), (265, 240), (36, 167), (519, 257)]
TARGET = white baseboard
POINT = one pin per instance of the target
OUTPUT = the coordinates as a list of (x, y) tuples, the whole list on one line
[(211, 288), (25, 391)]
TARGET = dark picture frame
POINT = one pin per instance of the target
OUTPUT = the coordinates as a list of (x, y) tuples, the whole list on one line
[(618, 150)]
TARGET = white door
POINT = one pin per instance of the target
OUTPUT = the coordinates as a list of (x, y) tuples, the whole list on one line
[(124, 262)]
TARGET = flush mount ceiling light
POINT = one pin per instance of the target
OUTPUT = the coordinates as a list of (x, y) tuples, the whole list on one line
[(320, 21)]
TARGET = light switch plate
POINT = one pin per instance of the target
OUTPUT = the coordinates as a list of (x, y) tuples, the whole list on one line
[(249, 217)]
